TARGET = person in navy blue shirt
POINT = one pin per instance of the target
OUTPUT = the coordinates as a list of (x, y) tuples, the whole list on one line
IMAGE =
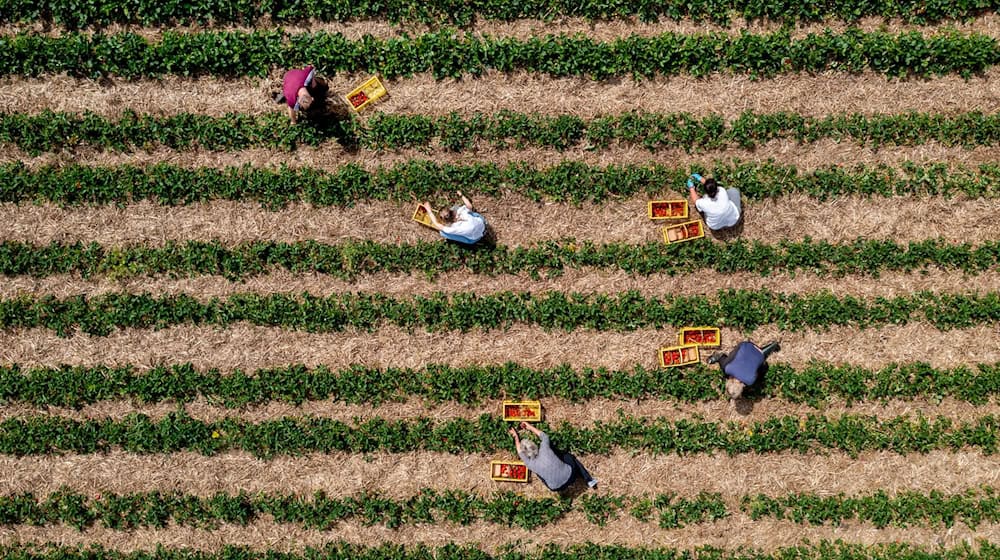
[(742, 366)]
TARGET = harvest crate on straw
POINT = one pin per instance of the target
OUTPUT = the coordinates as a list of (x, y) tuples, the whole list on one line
[(508, 471), (667, 209), (673, 356), (701, 336), (365, 94), (522, 411)]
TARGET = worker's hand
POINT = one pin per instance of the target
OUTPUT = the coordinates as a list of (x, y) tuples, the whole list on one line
[(513, 432), (524, 425), (459, 193)]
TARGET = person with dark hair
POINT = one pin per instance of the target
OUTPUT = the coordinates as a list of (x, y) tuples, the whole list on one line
[(557, 470), (742, 366), (721, 208), (300, 90), (461, 224)]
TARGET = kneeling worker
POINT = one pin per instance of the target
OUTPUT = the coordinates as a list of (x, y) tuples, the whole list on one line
[(721, 208), (461, 224), (557, 470), (742, 365)]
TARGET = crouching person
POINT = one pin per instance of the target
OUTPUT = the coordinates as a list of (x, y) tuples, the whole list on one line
[(743, 365), (557, 470), (461, 224)]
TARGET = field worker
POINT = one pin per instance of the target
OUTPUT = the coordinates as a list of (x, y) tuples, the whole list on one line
[(721, 208), (300, 90), (742, 365), (461, 224), (556, 470)]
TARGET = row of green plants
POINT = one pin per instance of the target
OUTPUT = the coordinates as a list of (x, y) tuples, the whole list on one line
[(448, 53), (340, 550), (50, 131), (569, 181), (322, 512), (350, 259), (815, 384), (177, 431), (76, 14), (464, 311)]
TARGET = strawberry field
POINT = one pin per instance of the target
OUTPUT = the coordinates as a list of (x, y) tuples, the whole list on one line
[(223, 338)]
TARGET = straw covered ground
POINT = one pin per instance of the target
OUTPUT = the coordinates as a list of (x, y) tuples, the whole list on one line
[(518, 221)]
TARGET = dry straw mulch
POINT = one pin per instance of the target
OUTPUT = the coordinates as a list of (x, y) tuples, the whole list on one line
[(515, 219), (250, 347), (731, 533), (726, 94), (400, 475)]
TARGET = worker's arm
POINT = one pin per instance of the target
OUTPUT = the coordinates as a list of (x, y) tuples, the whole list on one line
[(517, 440), (291, 113), (692, 190), (466, 202), (531, 428), (432, 215)]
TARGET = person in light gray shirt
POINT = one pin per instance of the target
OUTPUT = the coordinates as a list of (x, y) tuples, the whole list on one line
[(557, 470)]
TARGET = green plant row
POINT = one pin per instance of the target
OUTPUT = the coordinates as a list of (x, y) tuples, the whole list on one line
[(550, 258), (448, 53), (570, 181), (158, 509), (138, 433), (626, 311), (148, 12), (49, 131), (816, 383), (339, 550)]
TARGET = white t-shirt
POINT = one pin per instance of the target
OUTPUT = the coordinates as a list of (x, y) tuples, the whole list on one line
[(466, 224), (720, 212)]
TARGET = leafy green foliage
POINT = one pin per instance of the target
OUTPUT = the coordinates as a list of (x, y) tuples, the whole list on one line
[(447, 53), (814, 384), (351, 259), (49, 131), (625, 311), (422, 179), (177, 431), (150, 12), (339, 550)]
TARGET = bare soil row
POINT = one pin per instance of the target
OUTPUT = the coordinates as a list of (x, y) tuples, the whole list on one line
[(401, 475), (584, 281), (249, 347), (598, 30), (515, 220), (733, 532), (726, 94)]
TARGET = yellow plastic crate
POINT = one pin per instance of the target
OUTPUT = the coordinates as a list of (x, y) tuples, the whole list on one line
[(420, 216), (522, 411), (667, 209), (683, 232), (508, 471), (673, 356), (366, 94), (703, 337)]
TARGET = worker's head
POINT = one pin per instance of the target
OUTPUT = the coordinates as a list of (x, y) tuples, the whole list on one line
[(529, 448), (446, 215), (711, 187), (734, 388), (304, 99)]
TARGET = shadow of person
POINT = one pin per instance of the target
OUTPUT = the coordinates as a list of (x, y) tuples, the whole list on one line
[(575, 490), (730, 233), (744, 405)]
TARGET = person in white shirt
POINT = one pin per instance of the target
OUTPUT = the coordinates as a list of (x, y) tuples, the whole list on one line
[(461, 224), (721, 208)]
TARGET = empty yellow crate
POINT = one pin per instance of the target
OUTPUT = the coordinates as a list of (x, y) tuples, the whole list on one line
[(700, 336), (683, 232), (420, 216), (673, 356), (667, 209), (522, 411), (365, 94), (508, 471)]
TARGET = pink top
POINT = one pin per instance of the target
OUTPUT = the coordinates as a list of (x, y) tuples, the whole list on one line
[(294, 79)]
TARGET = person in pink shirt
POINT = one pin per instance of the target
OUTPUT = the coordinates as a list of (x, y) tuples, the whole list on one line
[(300, 89)]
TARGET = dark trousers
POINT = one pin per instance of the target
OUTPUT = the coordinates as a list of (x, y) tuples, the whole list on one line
[(578, 470)]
